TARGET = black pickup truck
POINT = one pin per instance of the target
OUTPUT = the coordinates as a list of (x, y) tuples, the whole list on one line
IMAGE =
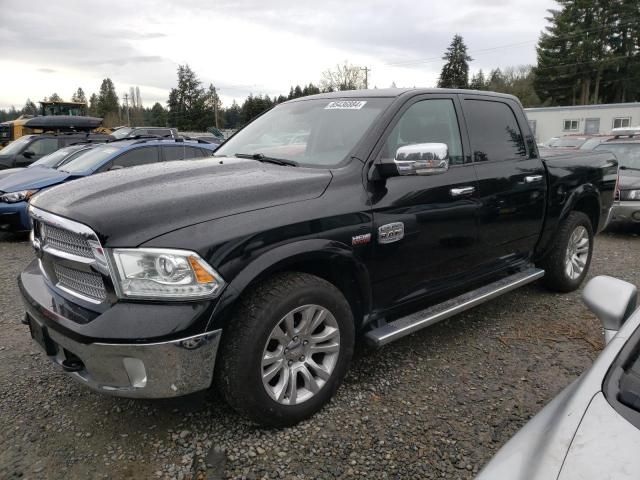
[(362, 215)]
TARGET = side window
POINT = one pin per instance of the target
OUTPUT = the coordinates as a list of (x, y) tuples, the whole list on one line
[(427, 121), (192, 152), (44, 146), (173, 152), (493, 130), (138, 156)]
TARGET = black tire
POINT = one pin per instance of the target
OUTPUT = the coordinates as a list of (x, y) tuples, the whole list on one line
[(556, 277), (239, 368)]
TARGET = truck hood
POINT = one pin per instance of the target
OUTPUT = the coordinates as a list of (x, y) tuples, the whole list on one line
[(32, 178), (130, 206)]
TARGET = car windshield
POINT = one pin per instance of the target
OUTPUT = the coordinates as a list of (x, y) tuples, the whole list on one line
[(16, 146), (91, 159), (319, 132), (592, 143), (569, 142), (57, 158), (122, 132), (628, 154)]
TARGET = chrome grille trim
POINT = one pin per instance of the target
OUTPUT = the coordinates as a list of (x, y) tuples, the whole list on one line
[(75, 242), (66, 241), (89, 285)]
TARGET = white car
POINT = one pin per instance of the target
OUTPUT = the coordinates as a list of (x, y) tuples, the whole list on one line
[(591, 430)]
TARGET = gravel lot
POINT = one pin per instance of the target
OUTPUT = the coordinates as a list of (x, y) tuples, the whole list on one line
[(437, 404)]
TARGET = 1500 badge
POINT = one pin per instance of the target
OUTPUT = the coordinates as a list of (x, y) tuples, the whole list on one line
[(391, 232)]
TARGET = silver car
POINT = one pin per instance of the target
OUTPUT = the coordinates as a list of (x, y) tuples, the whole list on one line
[(591, 430)]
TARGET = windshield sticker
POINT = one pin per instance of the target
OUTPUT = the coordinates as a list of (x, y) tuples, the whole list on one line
[(346, 105)]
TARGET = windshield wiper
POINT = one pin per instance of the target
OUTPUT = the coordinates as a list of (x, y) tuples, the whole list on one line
[(262, 158), (624, 167)]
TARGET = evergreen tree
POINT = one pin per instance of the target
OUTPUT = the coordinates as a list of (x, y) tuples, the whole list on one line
[(232, 116), (93, 105), (29, 108), (186, 103), (478, 81), (157, 116), (54, 97), (79, 96), (214, 114), (107, 105), (590, 53), (455, 72)]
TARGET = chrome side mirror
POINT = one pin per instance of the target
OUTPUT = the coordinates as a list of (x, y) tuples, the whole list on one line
[(612, 300), (422, 159)]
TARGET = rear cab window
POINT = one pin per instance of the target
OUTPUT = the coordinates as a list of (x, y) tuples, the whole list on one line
[(493, 131)]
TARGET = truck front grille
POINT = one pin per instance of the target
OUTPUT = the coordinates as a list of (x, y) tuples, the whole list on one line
[(85, 283), (64, 240)]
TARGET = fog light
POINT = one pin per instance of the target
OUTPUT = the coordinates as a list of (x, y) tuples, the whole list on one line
[(136, 372)]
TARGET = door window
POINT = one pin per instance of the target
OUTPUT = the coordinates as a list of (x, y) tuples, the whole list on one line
[(494, 131), (44, 146), (427, 121), (139, 156)]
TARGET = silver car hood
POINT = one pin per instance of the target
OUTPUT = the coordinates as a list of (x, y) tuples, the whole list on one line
[(566, 440), (605, 446)]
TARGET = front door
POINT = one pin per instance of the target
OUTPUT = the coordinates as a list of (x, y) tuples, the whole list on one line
[(425, 230)]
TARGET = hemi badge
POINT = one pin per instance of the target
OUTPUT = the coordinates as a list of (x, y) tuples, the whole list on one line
[(361, 239)]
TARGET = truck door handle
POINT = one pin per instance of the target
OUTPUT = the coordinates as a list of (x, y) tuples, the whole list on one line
[(532, 178), (459, 192)]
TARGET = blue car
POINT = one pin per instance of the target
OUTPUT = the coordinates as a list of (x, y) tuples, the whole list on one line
[(18, 188)]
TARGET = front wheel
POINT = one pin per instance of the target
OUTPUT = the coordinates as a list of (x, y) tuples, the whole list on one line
[(287, 350), (568, 262)]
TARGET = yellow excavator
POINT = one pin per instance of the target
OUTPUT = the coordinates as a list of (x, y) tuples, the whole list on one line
[(54, 116)]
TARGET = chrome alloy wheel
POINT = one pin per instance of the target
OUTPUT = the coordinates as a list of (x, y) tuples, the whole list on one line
[(577, 252), (300, 354)]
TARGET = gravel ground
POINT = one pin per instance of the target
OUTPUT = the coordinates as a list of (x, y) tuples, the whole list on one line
[(437, 404)]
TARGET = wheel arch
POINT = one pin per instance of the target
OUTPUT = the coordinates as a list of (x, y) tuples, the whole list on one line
[(333, 261)]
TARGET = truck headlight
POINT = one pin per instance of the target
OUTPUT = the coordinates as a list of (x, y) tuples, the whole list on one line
[(630, 195), (160, 273), (15, 197)]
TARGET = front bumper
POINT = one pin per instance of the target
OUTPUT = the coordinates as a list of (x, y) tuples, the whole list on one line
[(136, 370), (626, 211), (14, 217)]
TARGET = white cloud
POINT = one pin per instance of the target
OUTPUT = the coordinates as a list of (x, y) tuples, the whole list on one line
[(246, 46)]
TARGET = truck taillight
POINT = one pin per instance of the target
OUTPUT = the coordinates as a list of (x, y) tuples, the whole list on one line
[(616, 194)]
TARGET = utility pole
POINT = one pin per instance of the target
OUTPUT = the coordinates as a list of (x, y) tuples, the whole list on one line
[(126, 103), (366, 76), (215, 105)]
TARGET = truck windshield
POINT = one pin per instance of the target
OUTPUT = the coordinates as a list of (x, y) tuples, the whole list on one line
[(90, 160), (16, 146), (122, 132), (319, 132), (628, 154)]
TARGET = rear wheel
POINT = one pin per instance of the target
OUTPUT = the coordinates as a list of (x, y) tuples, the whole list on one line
[(567, 264), (287, 349)]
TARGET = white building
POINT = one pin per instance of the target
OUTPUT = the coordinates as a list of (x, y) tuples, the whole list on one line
[(547, 122)]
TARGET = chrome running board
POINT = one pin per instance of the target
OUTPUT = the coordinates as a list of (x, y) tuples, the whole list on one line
[(419, 320)]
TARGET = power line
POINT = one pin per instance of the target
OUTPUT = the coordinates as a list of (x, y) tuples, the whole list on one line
[(511, 45)]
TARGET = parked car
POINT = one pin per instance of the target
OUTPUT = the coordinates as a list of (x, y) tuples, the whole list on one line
[(17, 189), (133, 132), (263, 265), (53, 160), (626, 147), (594, 141), (29, 148), (568, 142), (591, 430)]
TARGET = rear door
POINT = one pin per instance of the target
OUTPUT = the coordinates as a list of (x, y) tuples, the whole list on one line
[(511, 177), (434, 216)]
